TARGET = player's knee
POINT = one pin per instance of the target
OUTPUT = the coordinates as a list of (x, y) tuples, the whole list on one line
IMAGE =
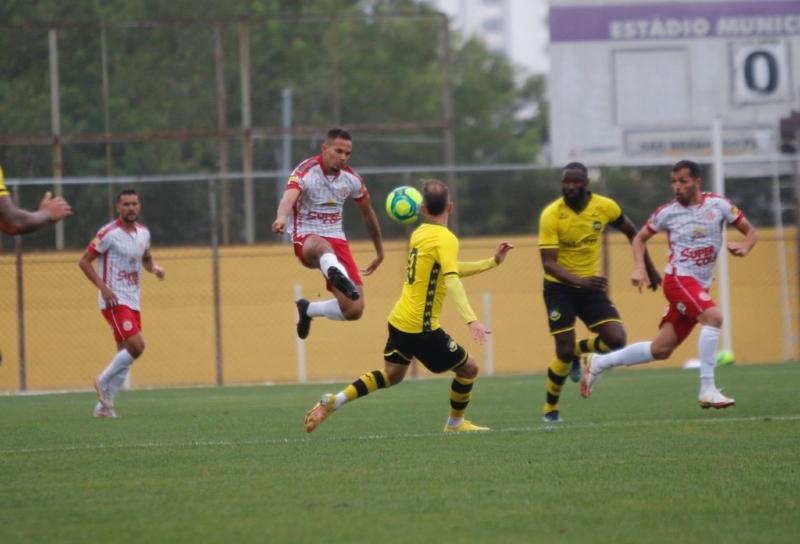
[(660, 352), (395, 377), (714, 321), (469, 369), (565, 353), (351, 313), (616, 342), (135, 351)]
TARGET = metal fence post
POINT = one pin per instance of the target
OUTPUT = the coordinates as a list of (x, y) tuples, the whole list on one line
[(215, 280), (23, 374)]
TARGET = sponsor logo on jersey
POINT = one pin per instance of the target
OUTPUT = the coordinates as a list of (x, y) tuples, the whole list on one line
[(697, 233), (701, 256), (325, 218)]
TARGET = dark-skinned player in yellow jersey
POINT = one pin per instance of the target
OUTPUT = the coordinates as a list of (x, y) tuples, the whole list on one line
[(570, 238), (432, 272)]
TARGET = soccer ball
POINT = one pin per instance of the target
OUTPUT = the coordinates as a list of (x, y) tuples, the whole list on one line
[(725, 357), (403, 204)]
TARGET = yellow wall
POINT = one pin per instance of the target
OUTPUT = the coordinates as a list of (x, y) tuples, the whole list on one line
[(68, 342)]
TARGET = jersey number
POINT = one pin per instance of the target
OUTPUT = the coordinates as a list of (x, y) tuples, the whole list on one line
[(411, 269)]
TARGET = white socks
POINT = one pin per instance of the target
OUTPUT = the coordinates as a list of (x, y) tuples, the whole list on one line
[(633, 354), (326, 308), (328, 260), (117, 382), (121, 362), (340, 399), (707, 348)]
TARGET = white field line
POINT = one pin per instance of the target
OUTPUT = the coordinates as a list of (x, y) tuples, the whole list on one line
[(317, 438)]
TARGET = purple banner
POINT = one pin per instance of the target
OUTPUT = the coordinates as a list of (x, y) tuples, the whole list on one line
[(745, 19)]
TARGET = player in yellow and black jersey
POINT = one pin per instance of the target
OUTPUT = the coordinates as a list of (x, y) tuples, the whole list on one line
[(432, 272), (14, 220), (570, 238)]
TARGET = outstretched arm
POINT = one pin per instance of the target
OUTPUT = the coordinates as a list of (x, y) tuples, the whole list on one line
[(456, 291), (476, 267), (14, 220), (374, 230)]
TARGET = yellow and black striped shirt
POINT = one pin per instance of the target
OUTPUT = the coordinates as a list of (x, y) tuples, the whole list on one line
[(433, 254)]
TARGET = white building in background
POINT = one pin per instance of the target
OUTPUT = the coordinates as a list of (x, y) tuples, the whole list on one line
[(634, 81), (517, 28)]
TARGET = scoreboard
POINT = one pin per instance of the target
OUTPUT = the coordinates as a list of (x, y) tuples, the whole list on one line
[(636, 81)]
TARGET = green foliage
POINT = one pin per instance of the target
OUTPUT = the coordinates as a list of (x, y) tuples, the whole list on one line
[(367, 65), (638, 462), (353, 69)]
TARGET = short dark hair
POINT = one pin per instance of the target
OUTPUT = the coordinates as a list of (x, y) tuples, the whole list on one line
[(575, 166), (693, 167), (340, 133), (126, 192), (435, 196)]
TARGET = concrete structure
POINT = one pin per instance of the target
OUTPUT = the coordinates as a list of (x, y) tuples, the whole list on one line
[(633, 81)]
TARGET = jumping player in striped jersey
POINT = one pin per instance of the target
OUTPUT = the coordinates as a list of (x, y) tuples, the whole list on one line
[(693, 222), (314, 197), (432, 272), (122, 249)]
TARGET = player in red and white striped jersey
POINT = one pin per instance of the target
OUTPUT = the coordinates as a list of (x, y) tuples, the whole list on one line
[(693, 222), (122, 249), (315, 196)]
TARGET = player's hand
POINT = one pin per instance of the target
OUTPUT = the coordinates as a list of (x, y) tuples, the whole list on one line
[(279, 225), (478, 332), (502, 250), (738, 249), (655, 279), (108, 296), (376, 262), (598, 283), (159, 272), (639, 279), (55, 208)]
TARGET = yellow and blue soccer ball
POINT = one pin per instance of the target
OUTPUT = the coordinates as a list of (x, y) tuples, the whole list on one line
[(403, 204)]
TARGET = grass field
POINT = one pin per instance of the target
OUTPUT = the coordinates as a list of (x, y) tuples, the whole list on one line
[(639, 462)]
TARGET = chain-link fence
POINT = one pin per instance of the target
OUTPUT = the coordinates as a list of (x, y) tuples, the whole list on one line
[(225, 313)]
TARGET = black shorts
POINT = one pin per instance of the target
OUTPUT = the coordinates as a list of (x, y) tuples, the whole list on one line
[(434, 349), (565, 302)]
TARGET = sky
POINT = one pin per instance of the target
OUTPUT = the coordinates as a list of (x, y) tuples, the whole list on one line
[(528, 35)]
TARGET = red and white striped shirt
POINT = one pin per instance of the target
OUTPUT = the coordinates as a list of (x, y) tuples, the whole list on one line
[(694, 234), (318, 209), (119, 262)]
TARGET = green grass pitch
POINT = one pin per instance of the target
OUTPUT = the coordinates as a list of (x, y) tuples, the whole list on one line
[(638, 462)]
